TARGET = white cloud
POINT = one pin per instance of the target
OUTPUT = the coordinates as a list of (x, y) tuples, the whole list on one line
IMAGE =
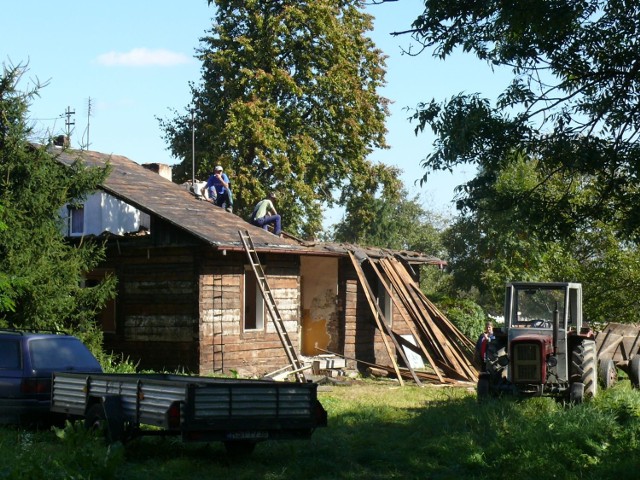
[(143, 57)]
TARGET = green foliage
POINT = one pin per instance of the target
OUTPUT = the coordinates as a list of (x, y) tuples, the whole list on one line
[(389, 432), (70, 452), (571, 106), (7, 289), (465, 314), (495, 244), (287, 102), (41, 272), (382, 215), (113, 363)]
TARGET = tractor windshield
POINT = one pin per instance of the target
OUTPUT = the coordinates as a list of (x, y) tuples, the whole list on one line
[(535, 307)]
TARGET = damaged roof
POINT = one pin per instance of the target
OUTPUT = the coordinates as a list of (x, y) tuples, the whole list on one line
[(156, 195), (153, 194)]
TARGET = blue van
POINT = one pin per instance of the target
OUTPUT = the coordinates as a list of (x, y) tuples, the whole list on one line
[(27, 361)]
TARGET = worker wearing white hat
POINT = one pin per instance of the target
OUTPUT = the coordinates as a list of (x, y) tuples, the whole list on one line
[(219, 183)]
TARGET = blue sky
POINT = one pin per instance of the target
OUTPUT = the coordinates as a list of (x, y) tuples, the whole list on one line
[(133, 59)]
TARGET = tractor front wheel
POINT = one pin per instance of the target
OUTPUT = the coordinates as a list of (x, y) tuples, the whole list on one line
[(483, 388)]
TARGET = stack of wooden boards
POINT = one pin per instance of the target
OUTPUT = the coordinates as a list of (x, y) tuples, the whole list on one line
[(447, 352)]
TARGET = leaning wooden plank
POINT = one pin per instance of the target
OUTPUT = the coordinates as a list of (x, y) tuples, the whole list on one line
[(436, 312), (458, 359), (409, 324), (452, 361), (382, 325), (461, 342), (365, 287), (411, 306), (451, 356)]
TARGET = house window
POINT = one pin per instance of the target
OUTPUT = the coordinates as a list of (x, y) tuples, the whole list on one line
[(76, 219), (253, 301), (385, 303)]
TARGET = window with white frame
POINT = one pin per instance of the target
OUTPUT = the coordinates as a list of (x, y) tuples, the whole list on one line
[(76, 219)]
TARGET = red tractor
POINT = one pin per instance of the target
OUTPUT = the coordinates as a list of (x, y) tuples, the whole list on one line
[(544, 349)]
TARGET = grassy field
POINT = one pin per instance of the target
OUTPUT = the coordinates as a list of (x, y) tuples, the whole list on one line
[(377, 430)]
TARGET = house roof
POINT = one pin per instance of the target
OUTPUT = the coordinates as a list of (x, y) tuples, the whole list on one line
[(156, 195)]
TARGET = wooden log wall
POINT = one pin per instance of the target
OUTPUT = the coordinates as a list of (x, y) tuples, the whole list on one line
[(225, 346), (361, 338), (156, 307)]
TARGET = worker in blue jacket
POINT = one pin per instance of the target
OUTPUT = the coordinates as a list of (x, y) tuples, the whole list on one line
[(219, 189)]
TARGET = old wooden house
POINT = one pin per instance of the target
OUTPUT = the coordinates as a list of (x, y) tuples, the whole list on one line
[(187, 298)]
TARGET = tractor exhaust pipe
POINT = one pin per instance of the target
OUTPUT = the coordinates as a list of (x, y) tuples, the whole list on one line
[(556, 329)]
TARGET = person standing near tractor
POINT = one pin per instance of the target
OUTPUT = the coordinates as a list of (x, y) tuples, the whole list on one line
[(483, 342)]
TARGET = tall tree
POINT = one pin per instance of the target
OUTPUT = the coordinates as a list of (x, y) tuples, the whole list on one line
[(288, 101), (379, 212), (572, 105), (493, 245), (42, 273)]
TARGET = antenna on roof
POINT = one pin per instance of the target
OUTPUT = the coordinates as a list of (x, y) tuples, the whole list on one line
[(68, 122), (193, 150)]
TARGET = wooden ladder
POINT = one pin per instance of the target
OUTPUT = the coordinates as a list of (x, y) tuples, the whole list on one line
[(294, 360)]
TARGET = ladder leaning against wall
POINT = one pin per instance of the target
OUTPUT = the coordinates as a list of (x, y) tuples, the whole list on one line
[(296, 364)]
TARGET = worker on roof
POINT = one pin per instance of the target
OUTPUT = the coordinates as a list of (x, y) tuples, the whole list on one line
[(265, 215), (219, 189)]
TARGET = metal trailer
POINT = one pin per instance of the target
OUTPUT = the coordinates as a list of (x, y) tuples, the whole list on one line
[(239, 413), (618, 346)]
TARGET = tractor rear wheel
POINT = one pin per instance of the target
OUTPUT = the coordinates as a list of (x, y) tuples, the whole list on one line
[(607, 373), (584, 367)]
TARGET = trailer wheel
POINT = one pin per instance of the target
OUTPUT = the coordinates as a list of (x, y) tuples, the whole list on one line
[(240, 447), (96, 420), (608, 373), (634, 371), (100, 418), (585, 368)]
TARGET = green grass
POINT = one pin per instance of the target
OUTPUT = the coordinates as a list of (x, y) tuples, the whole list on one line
[(377, 430)]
